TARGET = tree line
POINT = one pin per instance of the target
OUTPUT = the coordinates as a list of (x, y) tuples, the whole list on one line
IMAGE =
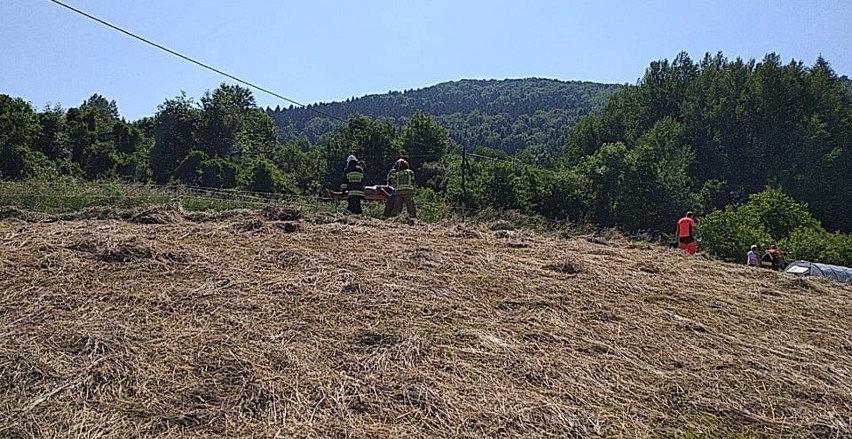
[(224, 140), (727, 129), (724, 138)]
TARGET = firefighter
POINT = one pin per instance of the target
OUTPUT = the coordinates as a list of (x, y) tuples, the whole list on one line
[(353, 184), (401, 177), (772, 258)]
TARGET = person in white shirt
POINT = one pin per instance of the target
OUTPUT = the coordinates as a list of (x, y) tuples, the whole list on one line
[(753, 258)]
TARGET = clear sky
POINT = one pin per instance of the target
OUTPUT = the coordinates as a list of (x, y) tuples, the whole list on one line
[(322, 50)]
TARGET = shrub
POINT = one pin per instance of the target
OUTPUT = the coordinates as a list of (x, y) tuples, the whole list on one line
[(778, 213), (264, 176), (770, 217), (818, 245), (729, 233)]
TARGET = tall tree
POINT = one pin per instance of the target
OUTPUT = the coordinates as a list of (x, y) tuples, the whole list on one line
[(101, 103), (605, 170), (425, 143), (18, 130), (750, 124), (232, 124), (175, 134), (89, 129), (656, 181), (53, 139)]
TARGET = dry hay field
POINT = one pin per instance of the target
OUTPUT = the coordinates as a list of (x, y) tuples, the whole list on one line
[(261, 324)]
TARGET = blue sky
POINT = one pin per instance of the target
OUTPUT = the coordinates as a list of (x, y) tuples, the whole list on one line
[(322, 50)]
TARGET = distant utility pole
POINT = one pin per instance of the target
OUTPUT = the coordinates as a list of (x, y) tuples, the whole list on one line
[(464, 182)]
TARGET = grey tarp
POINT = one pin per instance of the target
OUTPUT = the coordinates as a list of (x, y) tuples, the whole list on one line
[(806, 268)]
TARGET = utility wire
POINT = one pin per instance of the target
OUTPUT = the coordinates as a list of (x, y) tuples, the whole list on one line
[(196, 62), (201, 64)]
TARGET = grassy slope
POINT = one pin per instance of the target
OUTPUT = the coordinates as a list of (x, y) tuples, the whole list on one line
[(352, 327)]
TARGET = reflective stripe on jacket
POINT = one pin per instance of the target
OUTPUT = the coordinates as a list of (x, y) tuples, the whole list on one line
[(354, 177), (767, 260), (404, 180)]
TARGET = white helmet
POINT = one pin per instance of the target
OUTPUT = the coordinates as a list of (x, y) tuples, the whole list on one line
[(351, 158)]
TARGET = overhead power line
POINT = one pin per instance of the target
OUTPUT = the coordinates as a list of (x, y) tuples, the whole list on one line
[(199, 63), (192, 60)]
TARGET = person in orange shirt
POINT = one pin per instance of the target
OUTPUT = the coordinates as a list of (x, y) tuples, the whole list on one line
[(685, 234)]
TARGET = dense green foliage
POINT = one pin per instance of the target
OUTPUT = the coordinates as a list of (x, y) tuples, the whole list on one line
[(224, 141), (508, 115), (747, 125), (707, 136), (772, 217)]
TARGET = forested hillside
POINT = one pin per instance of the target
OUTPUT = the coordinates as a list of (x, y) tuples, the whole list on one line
[(506, 115), (720, 130)]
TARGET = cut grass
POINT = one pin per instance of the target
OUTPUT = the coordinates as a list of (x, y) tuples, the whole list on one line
[(192, 324)]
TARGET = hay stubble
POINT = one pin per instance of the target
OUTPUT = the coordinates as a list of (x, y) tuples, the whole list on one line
[(240, 326)]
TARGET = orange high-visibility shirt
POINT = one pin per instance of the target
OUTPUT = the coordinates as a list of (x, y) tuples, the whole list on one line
[(684, 226)]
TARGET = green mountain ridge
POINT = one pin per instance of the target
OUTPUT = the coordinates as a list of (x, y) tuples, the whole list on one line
[(506, 114)]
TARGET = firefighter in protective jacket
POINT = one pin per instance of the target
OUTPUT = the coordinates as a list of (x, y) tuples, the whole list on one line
[(772, 258), (353, 184), (401, 177)]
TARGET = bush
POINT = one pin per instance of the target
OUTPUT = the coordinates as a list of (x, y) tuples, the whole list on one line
[(564, 196), (264, 176), (22, 163), (778, 213), (729, 233), (219, 173), (189, 170), (818, 245), (430, 206), (771, 217)]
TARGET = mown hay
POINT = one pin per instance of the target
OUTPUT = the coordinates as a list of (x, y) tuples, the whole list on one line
[(361, 328), (166, 214), (11, 212), (562, 267), (501, 225), (95, 213), (281, 213), (213, 216)]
